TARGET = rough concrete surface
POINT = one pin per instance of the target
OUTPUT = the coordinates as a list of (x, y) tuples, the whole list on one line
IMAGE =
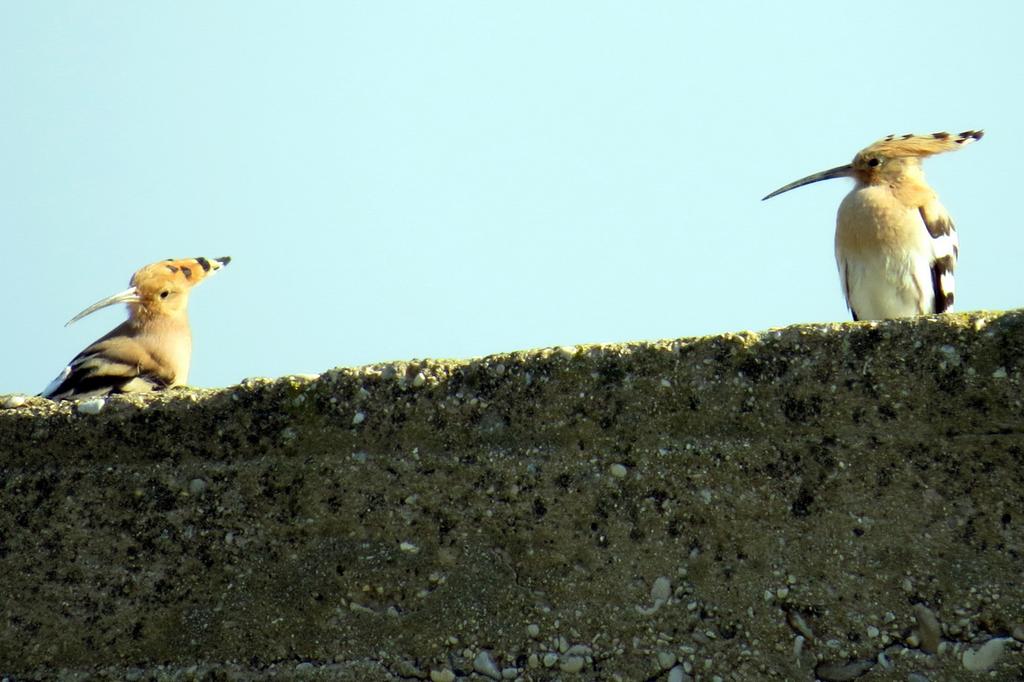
[(837, 501)]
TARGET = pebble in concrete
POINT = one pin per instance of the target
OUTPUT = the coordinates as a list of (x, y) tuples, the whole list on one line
[(484, 664), (928, 627), (677, 674), (661, 590), (571, 664), (797, 622), (985, 657), (798, 646), (666, 659), (843, 672), (13, 401), (94, 406)]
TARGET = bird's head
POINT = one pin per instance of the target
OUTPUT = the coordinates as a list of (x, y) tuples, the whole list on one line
[(160, 289), (890, 157)]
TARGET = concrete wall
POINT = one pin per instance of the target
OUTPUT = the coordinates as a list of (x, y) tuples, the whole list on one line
[(823, 500)]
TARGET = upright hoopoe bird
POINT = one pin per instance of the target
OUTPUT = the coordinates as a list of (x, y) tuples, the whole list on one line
[(896, 246), (152, 349)]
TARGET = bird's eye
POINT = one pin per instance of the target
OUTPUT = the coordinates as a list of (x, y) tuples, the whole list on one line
[(164, 294), (874, 162)]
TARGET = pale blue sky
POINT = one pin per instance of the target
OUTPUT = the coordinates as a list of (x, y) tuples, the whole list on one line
[(400, 180)]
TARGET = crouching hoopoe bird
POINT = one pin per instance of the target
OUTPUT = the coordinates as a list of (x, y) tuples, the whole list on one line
[(150, 350), (896, 246)]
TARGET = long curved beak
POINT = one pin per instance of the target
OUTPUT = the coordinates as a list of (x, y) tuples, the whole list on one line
[(837, 172), (126, 296)]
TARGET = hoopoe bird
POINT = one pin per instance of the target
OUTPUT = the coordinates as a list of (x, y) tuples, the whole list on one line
[(150, 350), (896, 247)]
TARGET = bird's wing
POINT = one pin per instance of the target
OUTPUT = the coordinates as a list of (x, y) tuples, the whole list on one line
[(945, 250), (844, 281), (113, 364), (53, 388)]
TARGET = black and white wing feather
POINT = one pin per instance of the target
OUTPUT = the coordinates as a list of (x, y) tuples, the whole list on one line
[(945, 250), (113, 364)]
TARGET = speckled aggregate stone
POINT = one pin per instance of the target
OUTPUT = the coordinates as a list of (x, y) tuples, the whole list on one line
[(843, 501)]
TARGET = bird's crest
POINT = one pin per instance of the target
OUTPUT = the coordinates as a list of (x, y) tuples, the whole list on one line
[(186, 271), (920, 145)]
